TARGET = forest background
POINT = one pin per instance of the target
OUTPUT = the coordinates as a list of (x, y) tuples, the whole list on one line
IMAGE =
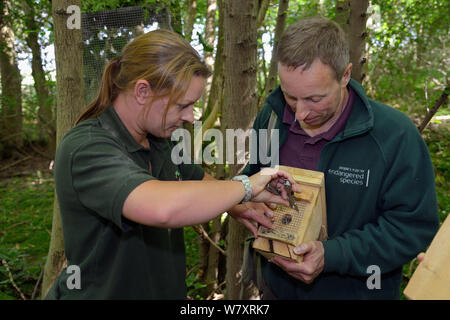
[(398, 49)]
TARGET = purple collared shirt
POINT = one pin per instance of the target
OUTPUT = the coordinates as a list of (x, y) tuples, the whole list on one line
[(302, 151)]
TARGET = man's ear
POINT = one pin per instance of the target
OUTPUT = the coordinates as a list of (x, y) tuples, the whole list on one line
[(142, 91), (347, 75)]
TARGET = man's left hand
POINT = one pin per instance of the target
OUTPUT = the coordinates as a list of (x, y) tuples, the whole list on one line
[(311, 266), (252, 213)]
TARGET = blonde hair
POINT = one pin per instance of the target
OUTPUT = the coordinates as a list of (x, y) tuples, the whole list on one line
[(162, 57), (312, 38)]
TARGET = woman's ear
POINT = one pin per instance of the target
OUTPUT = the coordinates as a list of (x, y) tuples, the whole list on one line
[(142, 91)]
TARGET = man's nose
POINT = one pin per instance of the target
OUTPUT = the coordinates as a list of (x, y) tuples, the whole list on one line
[(301, 111)]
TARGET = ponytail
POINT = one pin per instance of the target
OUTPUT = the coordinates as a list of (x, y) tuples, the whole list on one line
[(162, 57), (107, 93)]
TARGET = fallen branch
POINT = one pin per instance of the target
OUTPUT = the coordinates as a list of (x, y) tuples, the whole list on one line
[(201, 231), (12, 279), (214, 291), (18, 224), (14, 163), (35, 290), (442, 100), (42, 154), (192, 270)]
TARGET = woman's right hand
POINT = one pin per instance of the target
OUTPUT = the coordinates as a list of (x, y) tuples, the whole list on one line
[(277, 179)]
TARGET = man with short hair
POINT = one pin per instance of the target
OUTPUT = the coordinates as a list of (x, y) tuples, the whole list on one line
[(380, 190)]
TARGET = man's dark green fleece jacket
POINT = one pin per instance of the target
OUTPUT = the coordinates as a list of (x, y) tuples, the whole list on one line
[(381, 202)]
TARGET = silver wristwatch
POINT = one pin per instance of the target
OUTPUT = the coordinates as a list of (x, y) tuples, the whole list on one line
[(247, 185)]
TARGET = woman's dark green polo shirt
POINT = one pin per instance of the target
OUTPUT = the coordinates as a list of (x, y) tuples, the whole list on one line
[(98, 164)]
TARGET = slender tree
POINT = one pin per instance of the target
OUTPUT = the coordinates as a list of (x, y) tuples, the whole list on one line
[(342, 14), (208, 50), (215, 97), (357, 36), (240, 24), (190, 10), (271, 80), (351, 15), (11, 99), (47, 130), (263, 5), (70, 103)]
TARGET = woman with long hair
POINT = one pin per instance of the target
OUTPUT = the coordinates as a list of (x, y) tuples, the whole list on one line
[(123, 201)]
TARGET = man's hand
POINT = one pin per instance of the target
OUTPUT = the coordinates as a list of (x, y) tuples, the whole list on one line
[(312, 265), (251, 212), (421, 256)]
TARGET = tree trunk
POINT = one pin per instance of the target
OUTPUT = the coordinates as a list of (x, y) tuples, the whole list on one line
[(189, 18), (175, 14), (263, 5), (240, 101), (343, 14), (271, 80), (351, 15), (11, 100), (215, 103), (357, 37), (212, 271), (215, 97), (70, 103), (47, 132), (210, 35), (203, 250)]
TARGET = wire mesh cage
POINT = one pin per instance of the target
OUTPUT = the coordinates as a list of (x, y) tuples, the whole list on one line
[(106, 32)]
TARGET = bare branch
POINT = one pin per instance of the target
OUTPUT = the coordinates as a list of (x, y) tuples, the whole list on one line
[(201, 231), (12, 279), (443, 99)]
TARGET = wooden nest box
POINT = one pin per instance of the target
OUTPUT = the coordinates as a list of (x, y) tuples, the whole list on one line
[(431, 280), (292, 228)]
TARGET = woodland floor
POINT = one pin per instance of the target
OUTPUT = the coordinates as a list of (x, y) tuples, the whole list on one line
[(26, 209)]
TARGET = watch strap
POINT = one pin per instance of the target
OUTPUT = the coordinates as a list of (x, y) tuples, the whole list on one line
[(247, 186)]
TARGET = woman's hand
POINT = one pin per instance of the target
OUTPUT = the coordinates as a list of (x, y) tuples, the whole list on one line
[(277, 179)]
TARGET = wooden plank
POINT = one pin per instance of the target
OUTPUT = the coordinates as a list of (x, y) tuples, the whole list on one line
[(280, 248), (431, 280), (305, 195), (310, 177), (323, 209), (311, 181), (270, 248)]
